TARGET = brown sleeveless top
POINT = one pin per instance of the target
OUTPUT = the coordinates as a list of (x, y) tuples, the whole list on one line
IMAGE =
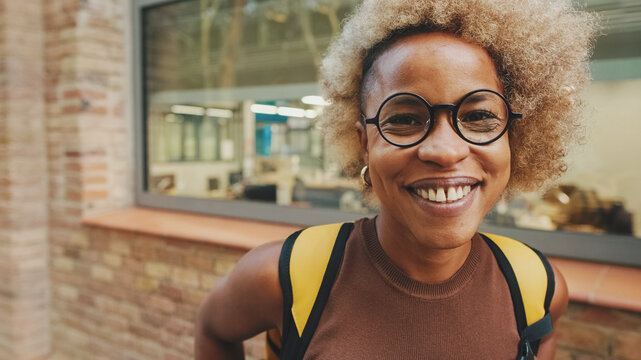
[(375, 311)]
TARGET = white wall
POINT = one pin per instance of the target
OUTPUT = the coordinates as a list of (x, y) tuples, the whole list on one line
[(610, 161)]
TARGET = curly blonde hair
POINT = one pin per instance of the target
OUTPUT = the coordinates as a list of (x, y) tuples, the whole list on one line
[(541, 50)]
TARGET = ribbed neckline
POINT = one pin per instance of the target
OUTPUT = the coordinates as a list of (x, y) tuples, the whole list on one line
[(404, 283)]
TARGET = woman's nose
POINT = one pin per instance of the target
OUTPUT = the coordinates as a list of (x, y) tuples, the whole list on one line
[(443, 146)]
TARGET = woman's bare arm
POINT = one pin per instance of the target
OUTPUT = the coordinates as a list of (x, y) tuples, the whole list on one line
[(557, 308), (245, 302)]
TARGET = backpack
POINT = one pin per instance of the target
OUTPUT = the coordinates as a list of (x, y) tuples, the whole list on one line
[(310, 260)]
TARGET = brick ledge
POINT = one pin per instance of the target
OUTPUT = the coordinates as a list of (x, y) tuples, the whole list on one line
[(598, 284), (229, 232), (605, 285)]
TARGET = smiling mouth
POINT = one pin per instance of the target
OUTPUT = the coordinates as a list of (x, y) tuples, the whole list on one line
[(445, 194)]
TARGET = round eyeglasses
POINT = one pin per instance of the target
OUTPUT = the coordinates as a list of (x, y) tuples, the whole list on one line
[(480, 117)]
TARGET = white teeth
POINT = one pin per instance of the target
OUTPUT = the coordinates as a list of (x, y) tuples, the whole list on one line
[(453, 193), (423, 193)]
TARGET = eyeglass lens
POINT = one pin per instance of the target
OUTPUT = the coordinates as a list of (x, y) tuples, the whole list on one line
[(481, 117)]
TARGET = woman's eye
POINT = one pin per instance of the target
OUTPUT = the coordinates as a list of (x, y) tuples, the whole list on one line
[(477, 115), (404, 119)]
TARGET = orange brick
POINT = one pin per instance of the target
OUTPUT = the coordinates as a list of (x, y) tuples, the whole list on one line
[(112, 260), (627, 346), (102, 273), (143, 249), (96, 180), (200, 261), (98, 110), (71, 94), (71, 110), (120, 247), (146, 284), (73, 195), (161, 303), (588, 357), (153, 318), (171, 292), (115, 322), (208, 281), (73, 166), (224, 265), (157, 270), (63, 264), (185, 276), (140, 330), (97, 166), (611, 318), (195, 296), (86, 300), (67, 292), (169, 256), (85, 93), (91, 195), (562, 354), (134, 266), (180, 327), (84, 153), (581, 336)]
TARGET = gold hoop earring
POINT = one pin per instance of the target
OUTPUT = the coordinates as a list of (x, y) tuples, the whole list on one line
[(364, 178)]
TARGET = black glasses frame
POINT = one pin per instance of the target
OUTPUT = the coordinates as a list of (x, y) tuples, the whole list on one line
[(455, 121)]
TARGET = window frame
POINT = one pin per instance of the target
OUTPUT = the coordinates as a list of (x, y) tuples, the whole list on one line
[(603, 248)]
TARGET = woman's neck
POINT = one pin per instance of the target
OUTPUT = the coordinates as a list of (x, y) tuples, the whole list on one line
[(424, 257)]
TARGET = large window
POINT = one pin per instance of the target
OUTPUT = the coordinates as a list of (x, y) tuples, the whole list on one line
[(231, 98), (228, 100)]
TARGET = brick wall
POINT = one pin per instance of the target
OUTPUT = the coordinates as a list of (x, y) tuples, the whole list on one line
[(597, 333), (127, 296), (88, 152), (24, 280)]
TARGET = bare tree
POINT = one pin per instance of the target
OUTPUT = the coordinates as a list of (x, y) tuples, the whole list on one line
[(231, 45), (306, 25), (330, 11), (208, 10)]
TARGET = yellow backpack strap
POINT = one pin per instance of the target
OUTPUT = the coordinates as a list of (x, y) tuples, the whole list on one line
[(308, 266), (531, 282)]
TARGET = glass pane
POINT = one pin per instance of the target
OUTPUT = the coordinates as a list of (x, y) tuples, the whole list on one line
[(600, 191), (232, 101), (230, 106)]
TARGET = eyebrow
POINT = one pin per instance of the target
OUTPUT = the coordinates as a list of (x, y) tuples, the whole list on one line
[(409, 100), (416, 99), (478, 97)]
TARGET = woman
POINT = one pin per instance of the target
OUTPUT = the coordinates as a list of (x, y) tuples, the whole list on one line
[(426, 102)]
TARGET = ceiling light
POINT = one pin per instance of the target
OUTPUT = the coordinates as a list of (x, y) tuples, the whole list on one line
[(314, 100), (263, 109), (311, 114), (221, 113), (290, 111), (188, 110)]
